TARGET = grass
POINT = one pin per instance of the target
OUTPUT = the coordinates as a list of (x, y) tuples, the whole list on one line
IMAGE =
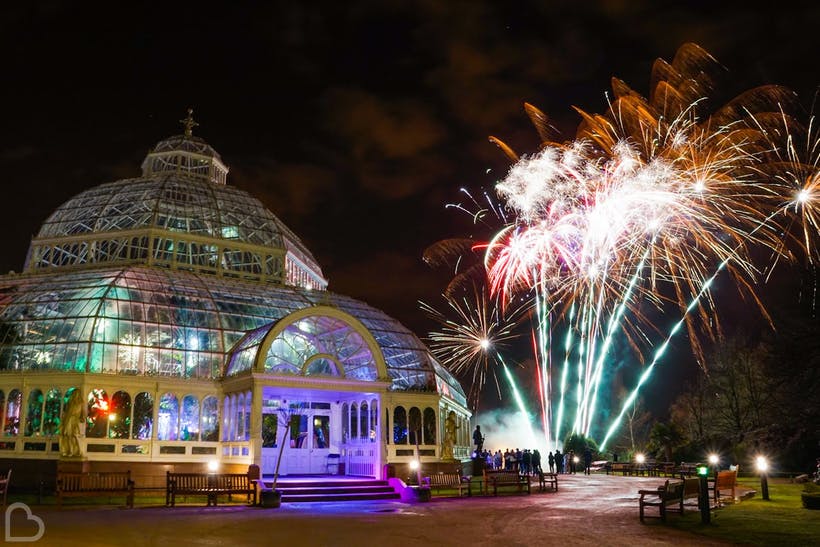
[(781, 520)]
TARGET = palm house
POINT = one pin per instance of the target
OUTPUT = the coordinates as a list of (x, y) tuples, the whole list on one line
[(198, 328)]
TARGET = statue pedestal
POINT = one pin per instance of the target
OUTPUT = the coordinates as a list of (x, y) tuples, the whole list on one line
[(73, 465)]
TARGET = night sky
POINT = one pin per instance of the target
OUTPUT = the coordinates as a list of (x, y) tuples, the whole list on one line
[(355, 123)]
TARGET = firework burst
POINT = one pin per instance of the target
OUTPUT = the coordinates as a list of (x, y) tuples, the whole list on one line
[(473, 331), (645, 206)]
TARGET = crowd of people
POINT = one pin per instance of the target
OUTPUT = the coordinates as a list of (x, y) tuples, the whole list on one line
[(528, 462)]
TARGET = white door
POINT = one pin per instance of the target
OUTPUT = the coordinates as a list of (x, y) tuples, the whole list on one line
[(307, 445)]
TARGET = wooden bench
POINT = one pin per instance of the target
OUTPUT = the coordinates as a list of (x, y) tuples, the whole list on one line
[(670, 494), (620, 467), (667, 469), (545, 479), (210, 485), (71, 485), (443, 480), (725, 481), (687, 469), (506, 478), (691, 491)]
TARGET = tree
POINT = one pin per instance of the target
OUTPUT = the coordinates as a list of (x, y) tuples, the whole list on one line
[(666, 437)]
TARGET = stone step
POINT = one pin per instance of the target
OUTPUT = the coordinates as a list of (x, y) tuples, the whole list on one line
[(295, 498), (332, 490)]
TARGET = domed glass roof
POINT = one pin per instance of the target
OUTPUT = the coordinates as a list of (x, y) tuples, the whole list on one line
[(179, 214)]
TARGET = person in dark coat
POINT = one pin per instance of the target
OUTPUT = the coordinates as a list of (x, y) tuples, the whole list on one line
[(478, 439), (551, 461), (587, 461), (559, 461)]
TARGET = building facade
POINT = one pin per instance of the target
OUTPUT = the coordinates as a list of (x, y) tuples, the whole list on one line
[(197, 327)]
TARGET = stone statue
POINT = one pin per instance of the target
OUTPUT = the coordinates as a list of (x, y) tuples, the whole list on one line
[(71, 424), (449, 437)]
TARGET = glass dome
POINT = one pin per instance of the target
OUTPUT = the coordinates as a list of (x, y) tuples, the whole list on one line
[(178, 215)]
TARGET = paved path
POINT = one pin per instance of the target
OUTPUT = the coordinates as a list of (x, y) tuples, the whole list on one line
[(596, 510)]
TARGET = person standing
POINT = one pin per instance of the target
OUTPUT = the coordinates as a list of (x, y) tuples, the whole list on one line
[(559, 462), (536, 462), (571, 457), (587, 461), (478, 440), (551, 461)]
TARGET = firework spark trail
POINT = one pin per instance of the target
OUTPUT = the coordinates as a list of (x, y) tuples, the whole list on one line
[(613, 323), (658, 354), (539, 378), (544, 343), (519, 401), (662, 348), (564, 374)]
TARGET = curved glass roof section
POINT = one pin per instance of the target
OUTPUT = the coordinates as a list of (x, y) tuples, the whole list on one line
[(313, 345), (148, 321)]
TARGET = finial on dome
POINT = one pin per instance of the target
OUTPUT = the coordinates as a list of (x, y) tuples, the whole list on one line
[(188, 123)]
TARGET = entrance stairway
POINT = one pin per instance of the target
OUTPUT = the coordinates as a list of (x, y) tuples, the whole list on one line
[(331, 488)]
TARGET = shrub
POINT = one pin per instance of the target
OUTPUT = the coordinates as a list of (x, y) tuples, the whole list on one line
[(811, 496)]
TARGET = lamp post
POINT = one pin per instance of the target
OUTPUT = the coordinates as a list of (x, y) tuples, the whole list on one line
[(640, 459), (763, 468), (703, 497)]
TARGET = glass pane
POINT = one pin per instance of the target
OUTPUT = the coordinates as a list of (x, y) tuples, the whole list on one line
[(374, 420), (120, 417), (270, 428), (238, 425), (429, 426), (96, 424), (400, 425), (168, 417), (321, 431), (51, 421), (189, 420), (298, 431), (345, 423), (248, 400), (34, 415), (414, 425), (364, 421), (354, 421), (210, 419), (143, 416)]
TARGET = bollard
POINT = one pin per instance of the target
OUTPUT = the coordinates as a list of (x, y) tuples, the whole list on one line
[(703, 499)]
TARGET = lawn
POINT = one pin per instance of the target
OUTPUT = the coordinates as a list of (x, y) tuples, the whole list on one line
[(781, 520)]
